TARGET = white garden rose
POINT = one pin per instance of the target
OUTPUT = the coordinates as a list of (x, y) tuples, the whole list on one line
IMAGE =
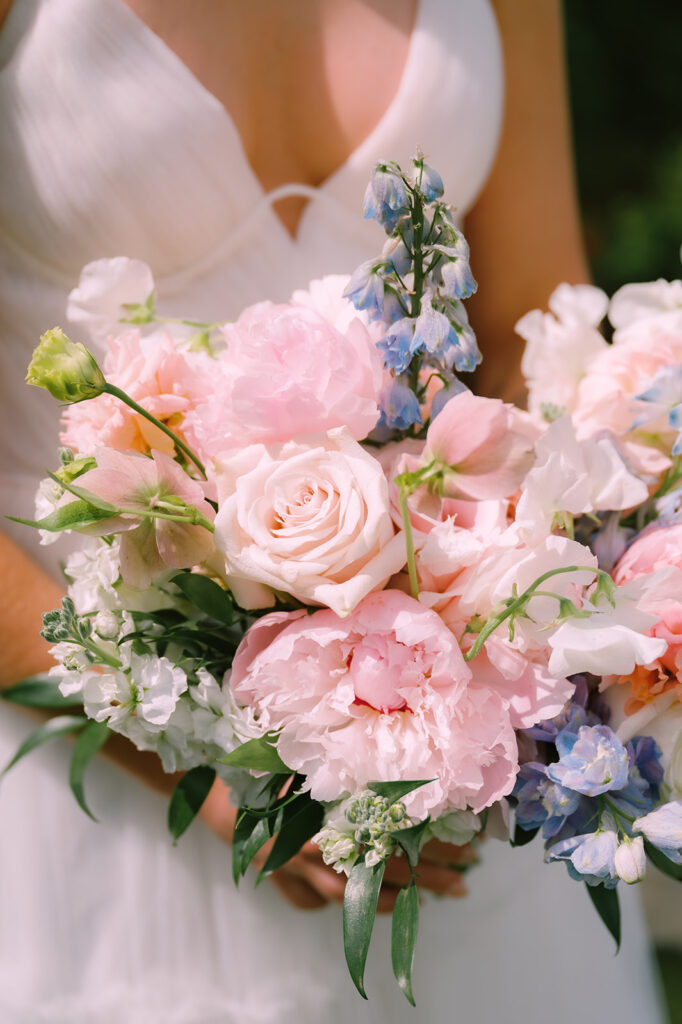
[(309, 517)]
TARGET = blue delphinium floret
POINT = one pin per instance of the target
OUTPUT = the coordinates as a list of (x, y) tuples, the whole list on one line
[(366, 290), (399, 407), (592, 762), (396, 345), (430, 182), (386, 197), (590, 858)]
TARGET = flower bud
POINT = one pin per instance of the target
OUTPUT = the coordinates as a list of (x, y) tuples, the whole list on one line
[(65, 368), (630, 860), (107, 625)]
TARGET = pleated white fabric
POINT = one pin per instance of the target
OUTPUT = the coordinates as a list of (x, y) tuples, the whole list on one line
[(110, 146)]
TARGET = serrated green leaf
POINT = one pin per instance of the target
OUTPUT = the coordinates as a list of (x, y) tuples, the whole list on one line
[(663, 863), (258, 755), (90, 742), (393, 791), (301, 819), (207, 596), (359, 910), (50, 730), (187, 798), (605, 902), (67, 517), (409, 840), (39, 692), (404, 930), (523, 836)]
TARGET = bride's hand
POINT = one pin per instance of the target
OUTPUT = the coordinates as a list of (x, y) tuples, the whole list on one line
[(308, 883)]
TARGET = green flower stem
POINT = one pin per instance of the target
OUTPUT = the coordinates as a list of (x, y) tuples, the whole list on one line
[(517, 604), (111, 389), (194, 518), (187, 323), (107, 659), (409, 542)]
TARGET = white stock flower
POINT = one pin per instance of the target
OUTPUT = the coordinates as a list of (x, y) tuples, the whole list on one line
[(93, 570), (575, 476), (559, 347), (104, 285), (456, 827), (49, 497)]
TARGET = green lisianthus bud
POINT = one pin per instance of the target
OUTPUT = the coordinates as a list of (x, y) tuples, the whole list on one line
[(65, 368)]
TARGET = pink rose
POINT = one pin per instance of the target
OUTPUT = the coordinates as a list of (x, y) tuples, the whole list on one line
[(286, 372), (384, 694), (309, 517), (486, 445)]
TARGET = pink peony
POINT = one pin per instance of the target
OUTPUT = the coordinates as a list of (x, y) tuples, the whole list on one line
[(287, 371), (161, 377), (486, 444), (384, 694), (137, 484)]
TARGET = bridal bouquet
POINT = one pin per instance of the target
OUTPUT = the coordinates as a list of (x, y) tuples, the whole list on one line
[(381, 608)]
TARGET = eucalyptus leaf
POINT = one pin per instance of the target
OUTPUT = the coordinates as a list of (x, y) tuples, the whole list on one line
[(90, 741), (50, 730), (409, 840), (258, 755), (404, 930), (40, 692), (663, 863), (187, 798), (207, 596), (68, 517), (359, 910), (393, 791), (605, 902), (302, 818)]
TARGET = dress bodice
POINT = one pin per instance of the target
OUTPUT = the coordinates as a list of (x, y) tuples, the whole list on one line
[(110, 146)]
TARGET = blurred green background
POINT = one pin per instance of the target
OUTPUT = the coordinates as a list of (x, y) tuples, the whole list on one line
[(625, 78)]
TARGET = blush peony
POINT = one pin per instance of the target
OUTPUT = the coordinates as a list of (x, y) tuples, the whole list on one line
[(384, 694)]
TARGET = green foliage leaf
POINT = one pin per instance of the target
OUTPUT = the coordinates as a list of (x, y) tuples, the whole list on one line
[(404, 930), (393, 791), (409, 840), (39, 692), (90, 742), (523, 836), (605, 902), (50, 730), (76, 514), (663, 863), (207, 596), (187, 798), (301, 819), (359, 910), (250, 834), (258, 755)]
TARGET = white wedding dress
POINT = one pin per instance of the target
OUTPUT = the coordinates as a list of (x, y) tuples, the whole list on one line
[(110, 146)]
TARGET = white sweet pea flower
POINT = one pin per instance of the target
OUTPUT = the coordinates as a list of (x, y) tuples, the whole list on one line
[(559, 347), (635, 302), (611, 640), (104, 286), (630, 860), (575, 476), (663, 829)]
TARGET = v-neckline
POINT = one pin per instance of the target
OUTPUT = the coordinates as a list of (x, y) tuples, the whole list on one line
[(366, 150)]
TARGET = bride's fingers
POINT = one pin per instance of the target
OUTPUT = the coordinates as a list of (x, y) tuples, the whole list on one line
[(437, 852), (324, 880), (433, 877), (297, 891)]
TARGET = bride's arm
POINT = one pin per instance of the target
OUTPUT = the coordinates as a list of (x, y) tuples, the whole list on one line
[(525, 230)]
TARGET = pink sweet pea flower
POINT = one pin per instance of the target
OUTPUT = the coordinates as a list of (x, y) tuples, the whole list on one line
[(486, 444), (135, 484)]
